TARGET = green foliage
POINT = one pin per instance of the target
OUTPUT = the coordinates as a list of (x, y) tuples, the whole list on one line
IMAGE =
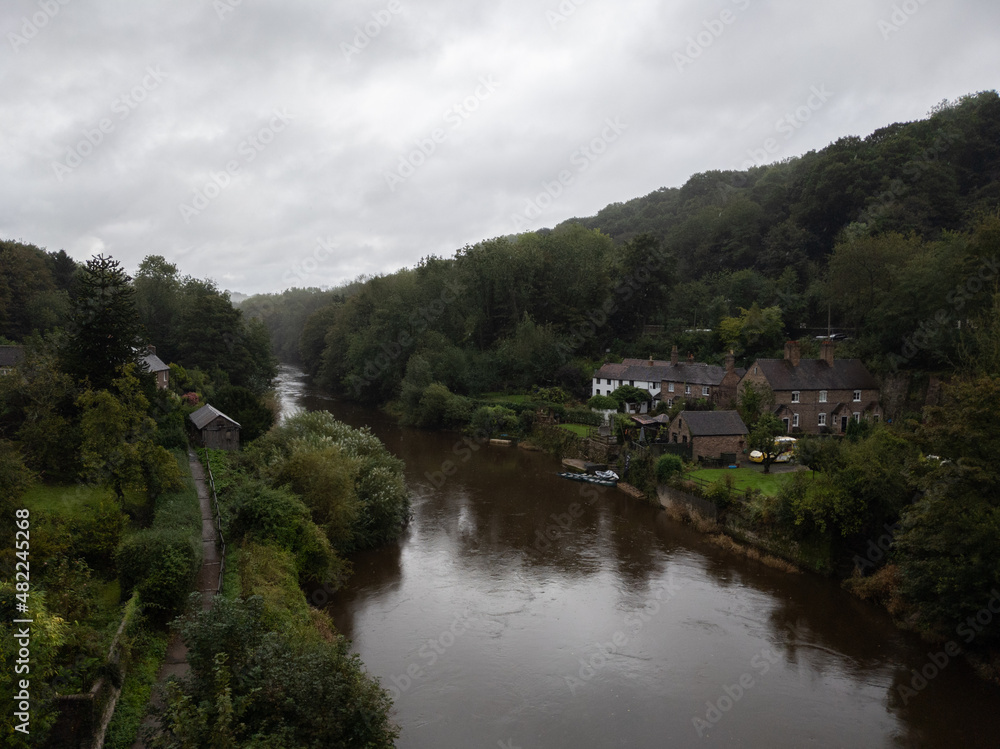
[(582, 416), (631, 395), (550, 395), (76, 523), (325, 479), (762, 435), (161, 565), (752, 401), (119, 440), (948, 549), (603, 403), (261, 514), (721, 492), (251, 687), (668, 466), (246, 408), (15, 478), (48, 634), (34, 289), (105, 330), (37, 410), (490, 421), (379, 485), (754, 332)]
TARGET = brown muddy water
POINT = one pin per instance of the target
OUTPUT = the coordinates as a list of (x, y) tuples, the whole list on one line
[(521, 610)]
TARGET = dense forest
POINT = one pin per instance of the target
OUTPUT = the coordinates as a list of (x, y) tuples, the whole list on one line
[(890, 239)]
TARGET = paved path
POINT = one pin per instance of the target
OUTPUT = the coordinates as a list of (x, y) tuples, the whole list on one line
[(175, 664)]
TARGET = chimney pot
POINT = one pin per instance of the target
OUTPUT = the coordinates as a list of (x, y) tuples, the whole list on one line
[(793, 352), (826, 351)]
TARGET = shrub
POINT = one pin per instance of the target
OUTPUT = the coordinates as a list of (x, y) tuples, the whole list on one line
[(161, 565), (247, 683), (550, 395), (260, 513), (668, 466), (583, 416), (603, 403), (490, 420), (721, 492)]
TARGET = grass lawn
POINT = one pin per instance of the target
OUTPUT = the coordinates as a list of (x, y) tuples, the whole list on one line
[(745, 478), (578, 429)]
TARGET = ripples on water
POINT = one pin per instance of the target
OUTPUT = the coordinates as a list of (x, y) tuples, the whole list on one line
[(620, 628)]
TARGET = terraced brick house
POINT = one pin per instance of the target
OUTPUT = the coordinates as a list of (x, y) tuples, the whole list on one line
[(817, 396)]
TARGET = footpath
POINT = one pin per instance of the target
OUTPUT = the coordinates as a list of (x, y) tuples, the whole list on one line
[(175, 664)]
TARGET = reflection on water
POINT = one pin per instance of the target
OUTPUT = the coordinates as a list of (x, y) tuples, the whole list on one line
[(519, 609)]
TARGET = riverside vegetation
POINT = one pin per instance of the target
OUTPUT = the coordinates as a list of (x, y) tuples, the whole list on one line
[(97, 455), (892, 239)]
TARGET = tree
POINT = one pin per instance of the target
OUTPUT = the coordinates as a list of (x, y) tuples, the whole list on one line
[(119, 447), (249, 687), (158, 303), (105, 330), (753, 401), (949, 546), (36, 408), (628, 394), (762, 438), (247, 409), (754, 331)]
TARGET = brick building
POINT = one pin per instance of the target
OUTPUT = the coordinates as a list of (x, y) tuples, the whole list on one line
[(711, 434), (817, 396)]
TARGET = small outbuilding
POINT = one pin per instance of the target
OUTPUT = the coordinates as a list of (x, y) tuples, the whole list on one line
[(155, 365), (711, 434), (215, 430)]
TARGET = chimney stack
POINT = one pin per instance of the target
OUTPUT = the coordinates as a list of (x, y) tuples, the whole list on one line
[(826, 351), (690, 358), (151, 349), (673, 356), (793, 352), (651, 360), (730, 361)]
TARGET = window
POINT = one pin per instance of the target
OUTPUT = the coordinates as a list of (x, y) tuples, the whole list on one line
[(755, 370), (631, 383), (705, 390), (608, 382), (822, 396), (795, 421), (857, 396), (687, 390), (876, 417), (795, 396), (670, 387), (822, 420), (857, 416), (670, 402)]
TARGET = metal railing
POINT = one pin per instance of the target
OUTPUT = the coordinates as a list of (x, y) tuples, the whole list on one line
[(220, 539)]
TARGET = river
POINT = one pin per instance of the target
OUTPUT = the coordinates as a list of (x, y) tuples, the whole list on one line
[(520, 610)]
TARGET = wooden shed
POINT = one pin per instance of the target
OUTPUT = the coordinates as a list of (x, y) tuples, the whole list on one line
[(215, 430)]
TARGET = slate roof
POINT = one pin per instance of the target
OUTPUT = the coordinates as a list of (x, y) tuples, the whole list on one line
[(695, 373), (713, 423), (11, 356), (817, 374), (154, 363), (207, 413)]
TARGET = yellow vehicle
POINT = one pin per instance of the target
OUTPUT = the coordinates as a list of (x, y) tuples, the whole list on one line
[(784, 446)]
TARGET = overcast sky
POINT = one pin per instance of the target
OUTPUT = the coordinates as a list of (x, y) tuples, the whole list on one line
[(275, 143)]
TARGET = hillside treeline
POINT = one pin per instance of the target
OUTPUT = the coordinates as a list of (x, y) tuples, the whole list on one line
[(890, 239)]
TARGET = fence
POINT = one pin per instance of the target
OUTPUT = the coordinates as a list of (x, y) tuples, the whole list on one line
[(220, 539)]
